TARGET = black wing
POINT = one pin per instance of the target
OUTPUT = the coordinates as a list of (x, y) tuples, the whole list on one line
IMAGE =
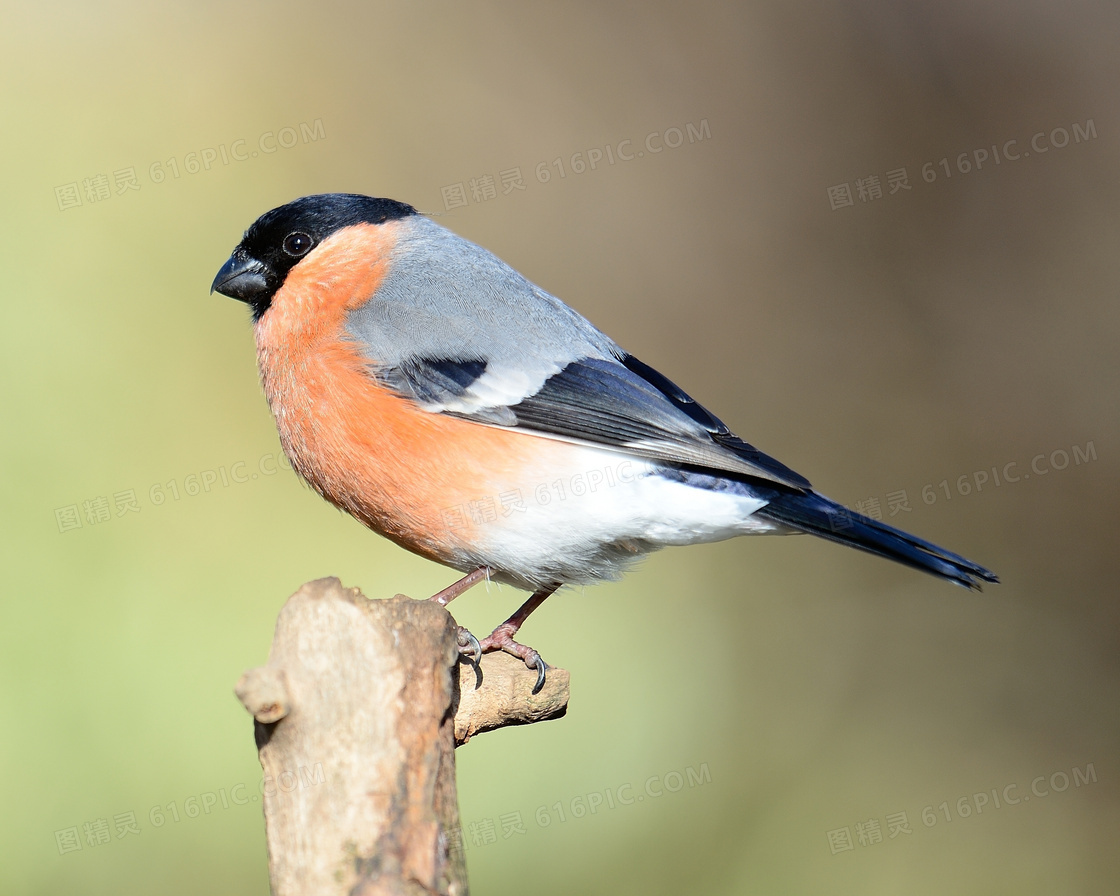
[(622, 404)]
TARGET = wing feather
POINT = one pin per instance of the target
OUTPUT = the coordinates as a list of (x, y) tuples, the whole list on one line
[(622, 404)]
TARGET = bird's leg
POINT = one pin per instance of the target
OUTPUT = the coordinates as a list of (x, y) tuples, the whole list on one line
[(502, 637), (448, 594), (468, 643)]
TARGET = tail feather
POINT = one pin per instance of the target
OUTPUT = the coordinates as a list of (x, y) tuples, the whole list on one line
[(817, 515)]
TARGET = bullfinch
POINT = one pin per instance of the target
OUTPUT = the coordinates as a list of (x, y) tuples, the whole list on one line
[(425, 387)]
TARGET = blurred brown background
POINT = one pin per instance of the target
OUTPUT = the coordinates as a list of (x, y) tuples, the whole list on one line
[(747, 717)]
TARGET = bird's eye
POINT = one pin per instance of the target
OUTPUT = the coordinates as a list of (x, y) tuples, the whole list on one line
[(297, 244)]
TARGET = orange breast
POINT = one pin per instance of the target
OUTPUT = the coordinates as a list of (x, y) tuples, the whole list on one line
[(402, 471)]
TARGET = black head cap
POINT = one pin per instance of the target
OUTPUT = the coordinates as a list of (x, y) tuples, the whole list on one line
[(278, 239)]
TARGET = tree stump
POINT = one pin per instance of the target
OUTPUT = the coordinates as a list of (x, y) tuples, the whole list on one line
[(357, 715)]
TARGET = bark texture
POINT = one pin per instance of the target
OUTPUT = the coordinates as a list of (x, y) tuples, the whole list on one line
[(357, 715)]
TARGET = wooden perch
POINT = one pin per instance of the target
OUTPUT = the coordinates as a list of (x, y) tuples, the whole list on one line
[(358, 713)]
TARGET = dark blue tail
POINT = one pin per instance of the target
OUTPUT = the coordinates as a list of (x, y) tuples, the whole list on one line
[(817, 515)]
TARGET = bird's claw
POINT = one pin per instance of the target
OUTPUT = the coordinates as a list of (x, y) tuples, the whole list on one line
[(534, 661), (468, 645), (471, 649), (501, 639)]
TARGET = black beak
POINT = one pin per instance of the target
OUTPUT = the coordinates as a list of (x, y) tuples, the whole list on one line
[(243, 278)]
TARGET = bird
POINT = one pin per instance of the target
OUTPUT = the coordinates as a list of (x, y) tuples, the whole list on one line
[(425, 387)]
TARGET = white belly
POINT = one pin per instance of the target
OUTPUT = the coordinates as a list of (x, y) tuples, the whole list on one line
[(599, 516)]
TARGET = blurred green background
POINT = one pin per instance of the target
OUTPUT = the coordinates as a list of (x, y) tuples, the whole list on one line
[(757, 712)]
